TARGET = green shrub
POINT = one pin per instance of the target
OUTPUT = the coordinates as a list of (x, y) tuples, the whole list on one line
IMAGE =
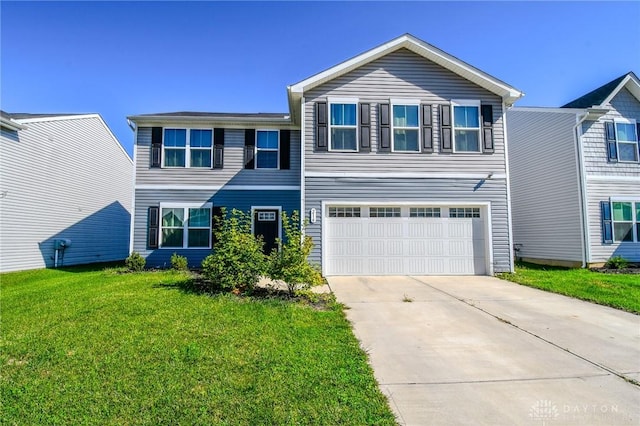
[(617, 262), (179, 263), (135, 262), (237, 261), (290, 264)]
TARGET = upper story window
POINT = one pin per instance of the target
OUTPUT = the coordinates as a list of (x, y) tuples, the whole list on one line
[(626, 221), (187, 147), (186, 227), (343, 126), (627, 141), (267, 144), (466, 126), (406, 128)]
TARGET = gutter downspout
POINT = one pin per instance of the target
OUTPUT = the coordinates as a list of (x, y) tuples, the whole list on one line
[(133, 185), (585, 241)]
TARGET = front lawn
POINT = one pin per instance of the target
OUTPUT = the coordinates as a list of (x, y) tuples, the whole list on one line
[(620, 291), (83, 346)]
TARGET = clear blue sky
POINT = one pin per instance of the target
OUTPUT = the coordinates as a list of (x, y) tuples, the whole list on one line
[(126, 58)]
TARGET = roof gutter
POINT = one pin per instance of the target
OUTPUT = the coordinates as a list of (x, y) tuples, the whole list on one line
[(11, 125)]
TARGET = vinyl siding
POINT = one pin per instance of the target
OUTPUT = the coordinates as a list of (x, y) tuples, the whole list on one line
[(421, 191), (402, 74), (623, 105), (602, 191), (545, 191), (63, 179), (233, 172), (241, 200)]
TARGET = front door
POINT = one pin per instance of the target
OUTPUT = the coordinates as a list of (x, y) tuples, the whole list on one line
[(266, 223)]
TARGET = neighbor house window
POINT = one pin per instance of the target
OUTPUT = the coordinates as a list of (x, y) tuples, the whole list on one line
[(406, 128), (626, 221), (187, 147), (464, 212), (627, 141), (343, 124), (186, 227), (344, 211), (384, 212), (267, 149), (424, 212), (466, 127)]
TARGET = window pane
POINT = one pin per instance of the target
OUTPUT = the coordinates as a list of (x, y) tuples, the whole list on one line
[(199, 237), (200, 158), (200, 138), (267, 159), (626, 132), (466, 116), (343, 114), (174, 157), (628, 151), (467, 140), (175, 137), (638, 211), (622, 211), (343, 139), (405, 140), (199, 217), (172, 217), (172, 237), (405, 115), (267, 140), (623, 231)]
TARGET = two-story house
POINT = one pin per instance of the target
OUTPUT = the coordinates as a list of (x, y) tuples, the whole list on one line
[(575, 174), (396, 157)]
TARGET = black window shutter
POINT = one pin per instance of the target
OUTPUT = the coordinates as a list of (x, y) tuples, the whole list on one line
[(365, 127), (607, 227), (218, 148), (285, 149), (445, 128), (249, 146), (321, 127), (216, 218), (384, 144), (427, 129), (610, 131), (487, 128), (156, 146), (153, 227)]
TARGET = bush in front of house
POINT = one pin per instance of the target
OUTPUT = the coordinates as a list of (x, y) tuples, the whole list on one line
[(179, 263), (135, 262), (617, 262), (290, 264), (237, 262)]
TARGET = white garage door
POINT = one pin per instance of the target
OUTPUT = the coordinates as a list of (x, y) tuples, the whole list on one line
[(370, 240)]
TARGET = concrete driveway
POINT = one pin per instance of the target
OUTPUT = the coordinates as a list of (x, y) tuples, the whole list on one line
[(479, 350)]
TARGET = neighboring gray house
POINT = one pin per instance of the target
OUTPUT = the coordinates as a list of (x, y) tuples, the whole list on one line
[(65, 191), (575, 177), (401, 168)]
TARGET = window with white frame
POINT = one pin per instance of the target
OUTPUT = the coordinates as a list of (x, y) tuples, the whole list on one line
[(626, 221), (384, 211), (343, 123), (406, 128), (344, 211), (185, 227), (424, 212), (187, 147), (267, 145), (466, 126), (464, 212), (627, 141)]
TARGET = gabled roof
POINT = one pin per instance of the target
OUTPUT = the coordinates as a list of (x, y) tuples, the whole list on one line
[(407, 41), (601, 96)]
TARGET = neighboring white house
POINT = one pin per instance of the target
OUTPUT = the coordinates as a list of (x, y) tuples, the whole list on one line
[(65, 191), (575, 177)]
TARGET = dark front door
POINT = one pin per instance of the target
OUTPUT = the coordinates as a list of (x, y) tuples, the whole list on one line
[(265, 223)]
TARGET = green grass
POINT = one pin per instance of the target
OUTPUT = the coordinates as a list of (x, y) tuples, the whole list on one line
[(82, 346), (621, 291)]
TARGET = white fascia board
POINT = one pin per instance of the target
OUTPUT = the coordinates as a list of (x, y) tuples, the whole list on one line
[(56, 118), (632, 85), (11, 124), (229, 123)]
